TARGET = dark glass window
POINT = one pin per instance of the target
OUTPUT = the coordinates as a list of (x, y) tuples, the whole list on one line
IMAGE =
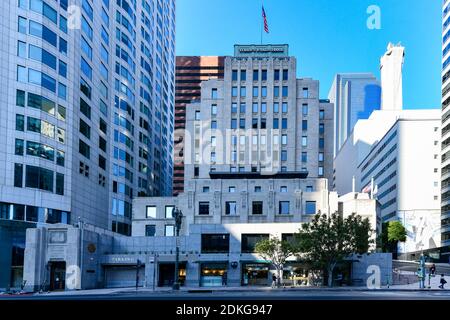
[(85, 129), (243, 75), (32, 214), (60, 158), (85, 88), (20, 122), (59, 184), (321, 143), (215, 243), (276, 123), (242, 123), (304, 125), (203, 208), (102, 144), (249, 242), (255, 75), (285, 74), (18, 175), (284, 123), (264, 75), (62, 45), (233, 123), (254, 123), (19, 147), (39, 178), (84, 149), (102, 162), (257, 207), (263, 123), (234, 75), (85, 108), (20, 98), (276, 75), (304, 157), (103, 126), (150, 230)]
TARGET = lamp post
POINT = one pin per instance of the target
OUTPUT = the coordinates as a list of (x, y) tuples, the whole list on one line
[(178, 216)]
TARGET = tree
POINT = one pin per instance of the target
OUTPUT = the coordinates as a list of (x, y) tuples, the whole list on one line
[(392, 233), (276, 251), (328, 240)]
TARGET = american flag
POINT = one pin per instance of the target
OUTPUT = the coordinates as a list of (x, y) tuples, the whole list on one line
[(266, 26)]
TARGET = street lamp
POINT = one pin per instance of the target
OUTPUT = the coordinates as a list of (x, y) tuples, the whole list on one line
[(178, 216)]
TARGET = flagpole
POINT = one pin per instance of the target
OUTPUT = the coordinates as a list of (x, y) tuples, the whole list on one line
[(262, 22)]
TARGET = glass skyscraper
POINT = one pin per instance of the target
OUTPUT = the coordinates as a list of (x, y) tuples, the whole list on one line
[(445, 169), (87, 112)]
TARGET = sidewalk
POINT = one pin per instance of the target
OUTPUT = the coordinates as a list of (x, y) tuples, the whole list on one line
[(193, 290)]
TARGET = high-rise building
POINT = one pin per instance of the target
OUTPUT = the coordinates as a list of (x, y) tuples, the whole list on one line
[(445, 154), (255, 144), (267, 120), (394, 156), (391, 69), (87, 114), (355, 96), (190, 72)]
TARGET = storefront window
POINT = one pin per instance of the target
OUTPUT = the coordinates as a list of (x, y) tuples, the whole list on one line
[(249, 241), (213, 275), (215, 243), (255, 274)]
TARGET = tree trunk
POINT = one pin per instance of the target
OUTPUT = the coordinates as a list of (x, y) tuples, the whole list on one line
[(330, 275), (278, 277)]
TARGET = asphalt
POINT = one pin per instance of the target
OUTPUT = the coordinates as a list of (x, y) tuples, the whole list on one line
[(239, 293)]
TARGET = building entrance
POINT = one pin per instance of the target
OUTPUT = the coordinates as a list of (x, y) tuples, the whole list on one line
[(255, 274), (57, 275), (213, 274), (166, 274)]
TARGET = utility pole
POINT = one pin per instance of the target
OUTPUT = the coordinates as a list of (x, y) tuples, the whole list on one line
[(138, 265), (81, 226), (178, 216)]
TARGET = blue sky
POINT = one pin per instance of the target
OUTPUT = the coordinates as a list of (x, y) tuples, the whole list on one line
[(326, 36)]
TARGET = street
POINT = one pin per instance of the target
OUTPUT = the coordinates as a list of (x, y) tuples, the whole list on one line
[(276, 294)]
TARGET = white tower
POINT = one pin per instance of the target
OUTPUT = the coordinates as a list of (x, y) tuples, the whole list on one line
[(391, 65)]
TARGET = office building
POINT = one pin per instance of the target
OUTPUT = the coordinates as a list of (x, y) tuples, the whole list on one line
[(445, 158), (394, 156), (190, 72), (88, 109), (355, 96), (259, 118), (264, 183), (391, 69)]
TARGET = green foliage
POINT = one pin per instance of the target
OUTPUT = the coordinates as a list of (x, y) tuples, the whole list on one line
[(328, 240), (396, 232), (276, 251), (392, 232)]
